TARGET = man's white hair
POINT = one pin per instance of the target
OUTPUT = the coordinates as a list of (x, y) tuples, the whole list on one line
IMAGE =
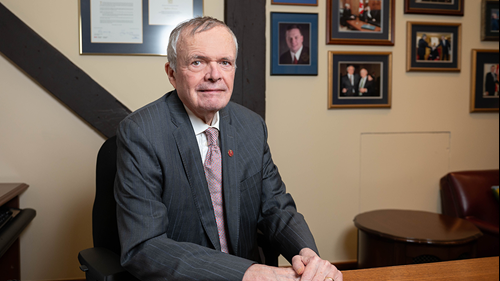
[(197, 25)]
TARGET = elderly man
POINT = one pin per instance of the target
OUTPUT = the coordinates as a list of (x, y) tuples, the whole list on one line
[(350, 82), (365, 83), (492, 81), (445, 47), (297, 53), (196, 180)]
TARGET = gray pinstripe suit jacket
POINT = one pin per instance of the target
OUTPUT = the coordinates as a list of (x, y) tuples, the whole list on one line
[(165, 216)]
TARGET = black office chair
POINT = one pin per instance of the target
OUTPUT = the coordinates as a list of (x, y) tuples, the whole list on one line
[(102, 263)]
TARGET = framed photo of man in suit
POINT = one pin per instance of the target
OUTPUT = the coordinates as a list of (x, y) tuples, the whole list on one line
[(490, 14), (294, 44), (434, 47), (360, 80), (485, 87)]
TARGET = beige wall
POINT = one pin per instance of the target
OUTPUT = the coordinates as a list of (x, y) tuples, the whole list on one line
[(334, 167)]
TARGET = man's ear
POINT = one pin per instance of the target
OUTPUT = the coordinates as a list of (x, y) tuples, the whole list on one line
[(171, 75)]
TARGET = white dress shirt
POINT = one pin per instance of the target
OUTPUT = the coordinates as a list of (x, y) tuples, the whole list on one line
[(199, 128), (297, 54)]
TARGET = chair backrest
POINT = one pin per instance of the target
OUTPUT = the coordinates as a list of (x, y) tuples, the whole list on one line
[(466, 194), (104, 225)]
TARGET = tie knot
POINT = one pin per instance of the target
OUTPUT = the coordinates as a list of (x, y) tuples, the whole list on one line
[(212, 136)]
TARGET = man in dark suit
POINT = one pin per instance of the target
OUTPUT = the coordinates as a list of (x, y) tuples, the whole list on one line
[(365, 83), (196, 180), (422, 47), (494, 21), (350, 82), (491, 81), (346, 15), (445, 47), (297, 53)]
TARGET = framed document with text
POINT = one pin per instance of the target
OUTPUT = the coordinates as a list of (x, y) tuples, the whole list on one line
[(132, 27)]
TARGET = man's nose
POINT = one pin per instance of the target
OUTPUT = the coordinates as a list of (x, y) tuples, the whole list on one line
[(213, 72)]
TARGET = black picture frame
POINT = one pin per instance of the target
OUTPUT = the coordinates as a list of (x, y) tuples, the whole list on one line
[(350, 27), (484, 86), (435, 7), (435, 56), (281, 58), (154, 40), (377, 90), (489, 20)]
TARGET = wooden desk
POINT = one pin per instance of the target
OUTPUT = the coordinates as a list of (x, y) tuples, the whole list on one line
[(358, 25), (400, 237), (10, 258), (467, 270)]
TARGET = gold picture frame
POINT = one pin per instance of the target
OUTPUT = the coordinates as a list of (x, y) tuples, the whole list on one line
[(490, 29), (378, 66), (482, 99), (434, 47)]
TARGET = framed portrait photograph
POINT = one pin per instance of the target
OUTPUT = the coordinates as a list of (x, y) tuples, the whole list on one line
[(294, 44), (295, 2), (360, 22), (359, 80), (489, 20), (132, 27), (484, 89), (435, 7), (434, 46)]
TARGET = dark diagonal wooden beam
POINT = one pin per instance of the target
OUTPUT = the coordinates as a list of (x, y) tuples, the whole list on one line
[(247, 19), (58, 75)]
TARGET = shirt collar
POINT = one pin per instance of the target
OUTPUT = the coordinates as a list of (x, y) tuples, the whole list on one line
[(198, 125), (298, 53)]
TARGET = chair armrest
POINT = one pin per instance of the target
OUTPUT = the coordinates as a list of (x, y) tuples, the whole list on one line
[(101, 264), (484, 226)]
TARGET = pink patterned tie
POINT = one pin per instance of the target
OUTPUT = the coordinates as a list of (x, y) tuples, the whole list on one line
[(213, 173)]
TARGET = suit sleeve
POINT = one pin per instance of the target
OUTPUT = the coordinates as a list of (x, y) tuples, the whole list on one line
[(142, 218), (280, 221)]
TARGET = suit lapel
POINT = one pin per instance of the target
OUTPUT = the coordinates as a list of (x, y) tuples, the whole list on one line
[(191, 160), (229, 179)]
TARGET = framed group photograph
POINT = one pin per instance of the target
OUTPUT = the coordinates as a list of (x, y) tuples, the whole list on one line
[(359, 80), (294, 44), (435, 7), (132, 27), (489, 20), (295, 2), (434, 46), (360, 22), (484, 89)]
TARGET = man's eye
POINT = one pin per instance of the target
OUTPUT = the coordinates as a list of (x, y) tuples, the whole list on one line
[(226, 63), (196, 63)]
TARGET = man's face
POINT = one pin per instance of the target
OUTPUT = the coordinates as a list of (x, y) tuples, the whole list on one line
[(206, 65), (350, 70), (443, 38), (294, 39), (493, 69), (363, 73)]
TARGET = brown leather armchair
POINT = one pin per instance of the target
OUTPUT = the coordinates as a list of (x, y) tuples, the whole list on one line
[(468, 195)]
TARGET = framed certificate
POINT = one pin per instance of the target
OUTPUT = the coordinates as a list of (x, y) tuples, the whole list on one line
[(132, 27)]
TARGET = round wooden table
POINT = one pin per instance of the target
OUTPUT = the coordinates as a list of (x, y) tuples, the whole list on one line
[(400, 237)]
